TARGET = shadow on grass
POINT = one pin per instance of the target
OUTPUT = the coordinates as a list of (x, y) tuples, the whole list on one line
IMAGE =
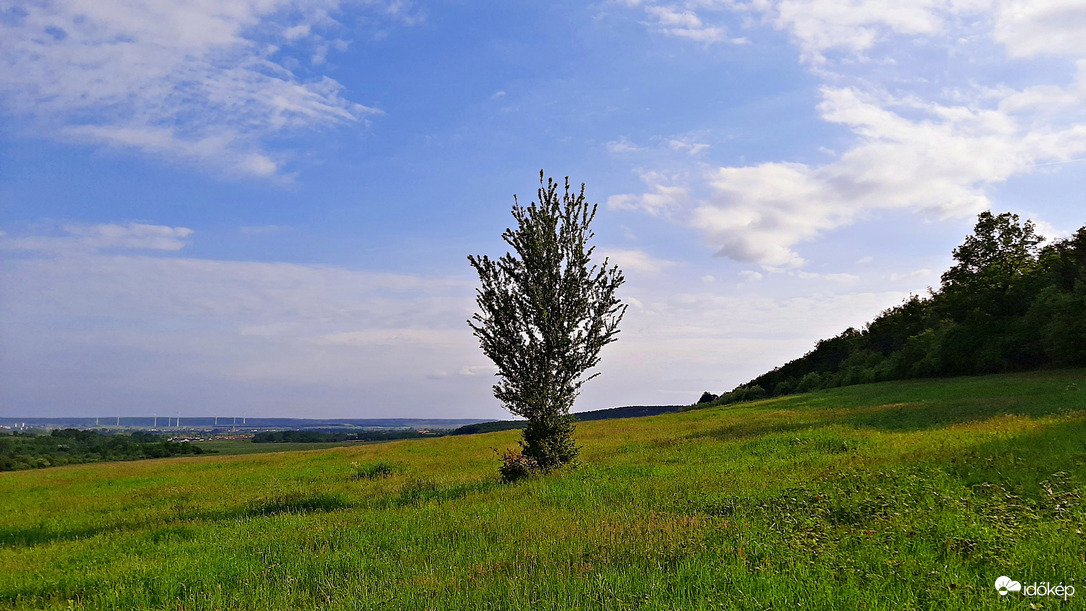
[(296, 502), (747, 430), (1030, 475), (420, 491), (1024, 461), (893, 410), (413, 493)]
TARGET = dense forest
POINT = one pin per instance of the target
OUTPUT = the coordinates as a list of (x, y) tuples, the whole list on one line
[(1009, 303), (70, 446)]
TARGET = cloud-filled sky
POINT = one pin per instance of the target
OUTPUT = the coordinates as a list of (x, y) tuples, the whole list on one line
[(264, 207)]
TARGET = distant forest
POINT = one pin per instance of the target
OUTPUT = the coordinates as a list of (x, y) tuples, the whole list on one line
[(324, 437), (20, 451), (1008, 304)]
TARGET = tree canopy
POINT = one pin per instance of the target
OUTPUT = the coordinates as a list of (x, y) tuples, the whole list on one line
[(545, 312)]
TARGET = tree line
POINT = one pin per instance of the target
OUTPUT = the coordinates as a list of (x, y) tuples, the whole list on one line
[(20, 451), (324, 437), (1009, 303)]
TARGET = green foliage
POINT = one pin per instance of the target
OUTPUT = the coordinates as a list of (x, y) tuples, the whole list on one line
[(1007, 304), (752, 392), (490, 427), (546, 312), (324, 437), (516, 466), (993, 270), (20, 451), (297, 437)]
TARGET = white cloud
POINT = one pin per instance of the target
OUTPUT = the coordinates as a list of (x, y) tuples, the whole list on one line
[(684, 23), (622, 145), (75, 237), (1042, 27), (924, 157), (295, 32), (128, 332), (636, 260), (819, 26), (1026, 28), (838, 278), (134, 334), (1047, 230), (913, 275), (478, 370), (689, 342), (194, 81), (928, 143), (685, 144), (665, 196), (816, 26)]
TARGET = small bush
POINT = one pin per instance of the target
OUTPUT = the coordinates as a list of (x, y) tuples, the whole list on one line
[(516, 466)]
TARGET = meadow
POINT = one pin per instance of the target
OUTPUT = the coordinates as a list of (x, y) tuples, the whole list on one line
[(900, 495), (246, 446)]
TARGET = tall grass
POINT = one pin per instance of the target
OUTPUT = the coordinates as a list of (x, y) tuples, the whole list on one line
[(910, 495)]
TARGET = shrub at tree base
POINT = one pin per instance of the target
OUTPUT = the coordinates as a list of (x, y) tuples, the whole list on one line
[(516, 466)]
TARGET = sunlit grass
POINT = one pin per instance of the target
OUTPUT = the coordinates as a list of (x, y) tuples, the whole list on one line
[(892, 496)]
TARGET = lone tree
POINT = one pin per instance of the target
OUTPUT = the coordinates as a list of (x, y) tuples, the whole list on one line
[(546, 312)]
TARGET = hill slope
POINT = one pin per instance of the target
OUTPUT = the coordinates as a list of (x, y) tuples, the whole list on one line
[(1008, 304), (899, 495)]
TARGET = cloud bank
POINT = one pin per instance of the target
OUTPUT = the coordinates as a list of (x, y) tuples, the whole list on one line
[(929, 147), (206, 83), (109, 318)]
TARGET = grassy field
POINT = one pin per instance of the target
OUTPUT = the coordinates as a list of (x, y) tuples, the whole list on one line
[(908, 495), (233, 447)]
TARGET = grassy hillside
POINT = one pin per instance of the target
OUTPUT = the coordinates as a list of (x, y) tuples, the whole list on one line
[(905, 495)]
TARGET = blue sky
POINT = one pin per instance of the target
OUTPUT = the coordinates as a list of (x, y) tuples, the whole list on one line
[(264, 207)]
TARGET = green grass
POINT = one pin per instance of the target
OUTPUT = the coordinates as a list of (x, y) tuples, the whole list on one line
[(244, 446), (906, 495)]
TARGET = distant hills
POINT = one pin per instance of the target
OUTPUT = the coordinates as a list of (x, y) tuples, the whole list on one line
[(210, 422), (460, 426), (632, 411)]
